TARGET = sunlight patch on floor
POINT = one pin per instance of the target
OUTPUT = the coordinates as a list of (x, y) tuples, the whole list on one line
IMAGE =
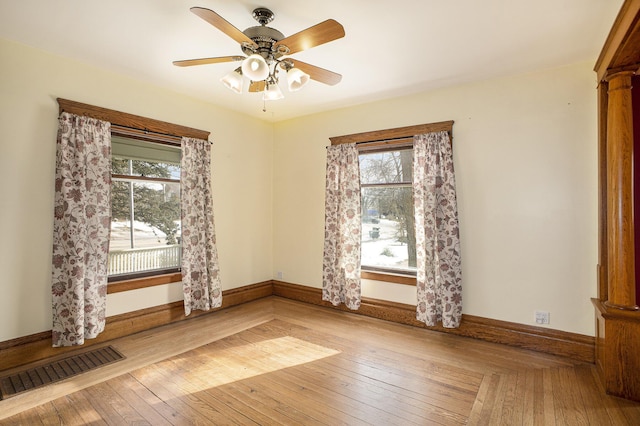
[(205, 367)]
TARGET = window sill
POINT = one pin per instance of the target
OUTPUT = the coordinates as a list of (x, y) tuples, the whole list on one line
[(133, 284), (386, 277)]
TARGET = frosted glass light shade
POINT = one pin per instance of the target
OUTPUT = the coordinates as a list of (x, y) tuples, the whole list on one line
[(296, 79), (255, 68), (233, 80), (272, 92)]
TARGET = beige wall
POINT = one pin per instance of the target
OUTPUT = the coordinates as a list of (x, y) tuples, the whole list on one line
[(525, 158), (30, 81)]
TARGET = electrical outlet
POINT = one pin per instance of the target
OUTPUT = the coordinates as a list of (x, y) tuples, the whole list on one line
[(279, 275), (542, 317)]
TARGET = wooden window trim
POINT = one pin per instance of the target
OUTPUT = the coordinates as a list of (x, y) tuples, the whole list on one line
[(390, 139), (386, 277), (134, 125), (143, 128), (136, 283), (393, 136)]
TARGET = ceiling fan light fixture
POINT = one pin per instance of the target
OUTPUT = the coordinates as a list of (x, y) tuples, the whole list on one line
[(272, 92), (234, 80), (296, 79), (255, 67), (264, 48)]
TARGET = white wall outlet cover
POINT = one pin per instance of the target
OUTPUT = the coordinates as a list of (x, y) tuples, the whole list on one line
[(542, 317)]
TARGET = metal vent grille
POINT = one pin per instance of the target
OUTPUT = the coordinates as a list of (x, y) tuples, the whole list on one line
[(56, 371)]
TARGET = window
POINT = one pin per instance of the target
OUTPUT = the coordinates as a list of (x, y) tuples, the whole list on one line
[(145, 209), (386, 169), (134, 129), (388, 235)]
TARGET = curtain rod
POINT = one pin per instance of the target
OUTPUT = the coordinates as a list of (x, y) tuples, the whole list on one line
[(392, 140), (382, 143), (386, 140), (145, 134), (137, 133)]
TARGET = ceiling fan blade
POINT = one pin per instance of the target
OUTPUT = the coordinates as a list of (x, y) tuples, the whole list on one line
[(256, 86), (316, 73), (222, 24), (321, 33), (204, 61)]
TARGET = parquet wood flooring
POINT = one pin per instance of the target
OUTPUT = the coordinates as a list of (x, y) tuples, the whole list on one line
[(276, 361)]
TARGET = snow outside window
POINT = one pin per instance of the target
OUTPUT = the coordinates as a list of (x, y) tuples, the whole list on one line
[(388, 236)]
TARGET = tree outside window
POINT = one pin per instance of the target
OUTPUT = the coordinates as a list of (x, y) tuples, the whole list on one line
[(388, 236)]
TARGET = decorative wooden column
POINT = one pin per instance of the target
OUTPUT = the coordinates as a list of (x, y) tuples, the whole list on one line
[(620, 228), (617, 314)]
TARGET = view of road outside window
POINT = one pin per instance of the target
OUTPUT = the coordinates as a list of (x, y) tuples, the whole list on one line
[(145, 216), (388, 236)]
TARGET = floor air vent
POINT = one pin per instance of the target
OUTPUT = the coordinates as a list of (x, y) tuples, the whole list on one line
[(58, 370)]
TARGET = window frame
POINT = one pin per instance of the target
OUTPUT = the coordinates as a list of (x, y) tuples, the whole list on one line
[(152, 272), (383, 140), (145, 129), (401, 146)]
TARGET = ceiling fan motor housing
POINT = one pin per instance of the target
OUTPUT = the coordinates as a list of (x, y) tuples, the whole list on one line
[(264, 37)]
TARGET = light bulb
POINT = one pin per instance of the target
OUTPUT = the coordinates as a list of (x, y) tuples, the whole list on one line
[(255, 67), (272, 92), (296, 79), (233, 80)]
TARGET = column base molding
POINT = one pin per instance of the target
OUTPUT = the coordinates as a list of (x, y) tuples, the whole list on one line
[(618, 350)]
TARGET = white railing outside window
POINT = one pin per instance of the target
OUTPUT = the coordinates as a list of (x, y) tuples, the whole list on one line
[(144, 259)]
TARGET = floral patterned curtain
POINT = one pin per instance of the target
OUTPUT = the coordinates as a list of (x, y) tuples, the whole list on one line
[(200, 272), (439, 275), (341, 260), (81, 228)]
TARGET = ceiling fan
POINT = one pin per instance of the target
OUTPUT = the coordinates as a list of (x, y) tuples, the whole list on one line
[(266, 51)]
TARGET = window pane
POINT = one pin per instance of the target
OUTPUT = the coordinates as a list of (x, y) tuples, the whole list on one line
[(388, 235), (120, 166), (120, 216), (386, 167), (156, 169), (149, 237)]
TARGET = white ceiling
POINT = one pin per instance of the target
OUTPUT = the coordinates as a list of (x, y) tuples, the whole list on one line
[(391, 48)]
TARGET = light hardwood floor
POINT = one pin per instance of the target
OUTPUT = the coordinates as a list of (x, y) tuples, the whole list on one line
[(276, 361)]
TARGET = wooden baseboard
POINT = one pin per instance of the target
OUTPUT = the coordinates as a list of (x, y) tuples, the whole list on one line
[(37, 346), (555, 342)]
